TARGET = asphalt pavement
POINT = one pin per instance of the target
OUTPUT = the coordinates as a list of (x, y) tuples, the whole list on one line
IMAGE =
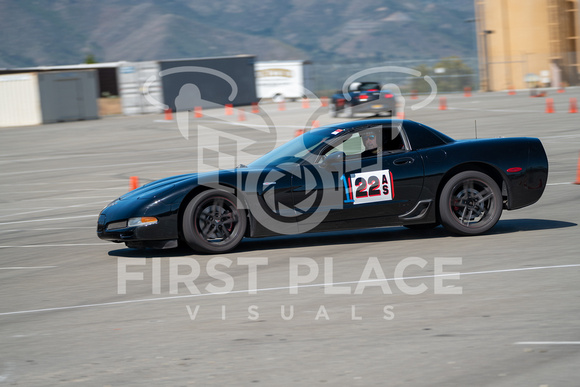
[(386, 306)]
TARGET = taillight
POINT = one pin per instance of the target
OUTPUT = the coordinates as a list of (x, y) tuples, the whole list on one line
[(388, 95)]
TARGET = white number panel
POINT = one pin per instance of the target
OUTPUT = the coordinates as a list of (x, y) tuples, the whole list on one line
[(369, 187)]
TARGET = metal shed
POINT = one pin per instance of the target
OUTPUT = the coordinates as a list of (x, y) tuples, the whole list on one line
[(208, 82), (40, 98)]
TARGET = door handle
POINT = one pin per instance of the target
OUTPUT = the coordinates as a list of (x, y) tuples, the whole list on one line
[(404, 160)]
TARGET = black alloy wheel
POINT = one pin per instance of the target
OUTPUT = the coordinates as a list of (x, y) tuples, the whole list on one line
[(470, 203), (213, 223)]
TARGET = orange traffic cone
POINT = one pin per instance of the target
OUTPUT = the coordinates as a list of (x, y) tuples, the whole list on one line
[(133, 183), (573, 106), (413, 94), (467, 91), (241, 115), (229, 109), (512, 91), (401, 115), (298, 132), (281, 106), (549, 105), (305, 103), (168, 114), (324, 101), (442, 103), (315, 124), (561, 89), (255, 108), (197, 112)]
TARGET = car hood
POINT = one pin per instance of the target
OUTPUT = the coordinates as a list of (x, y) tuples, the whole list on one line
[(159, 188), (156, 188)]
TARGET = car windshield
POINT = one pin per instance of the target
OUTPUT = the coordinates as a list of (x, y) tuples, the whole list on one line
[(370, 87), (295, 149)]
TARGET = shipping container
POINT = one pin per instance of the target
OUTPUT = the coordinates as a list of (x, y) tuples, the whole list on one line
[(19, 100), (208, 82), (68, 96), (140, 87), (40, 98)]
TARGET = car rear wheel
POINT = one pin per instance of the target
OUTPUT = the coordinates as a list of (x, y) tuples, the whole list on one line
[(348, 111), (470, 203), (333, 110), (213, 223)]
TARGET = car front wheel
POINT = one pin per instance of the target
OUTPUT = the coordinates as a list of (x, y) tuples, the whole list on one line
[(470, 203), (348, 112), (213, 223), (333, 110)]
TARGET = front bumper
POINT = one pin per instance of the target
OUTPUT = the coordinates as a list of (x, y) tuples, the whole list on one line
[(112, 223), (375, 106)]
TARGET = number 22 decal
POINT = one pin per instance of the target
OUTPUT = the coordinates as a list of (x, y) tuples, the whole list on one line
[(369, 187)]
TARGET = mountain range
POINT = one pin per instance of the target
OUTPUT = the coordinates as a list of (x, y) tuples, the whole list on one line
[(58, 32)]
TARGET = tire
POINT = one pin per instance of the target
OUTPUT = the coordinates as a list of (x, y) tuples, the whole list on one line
[(470, 203), (212, 222), (348, 111), (333, 111), (278, 98)]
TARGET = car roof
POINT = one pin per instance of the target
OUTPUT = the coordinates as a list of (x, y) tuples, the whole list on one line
[(420, 135)]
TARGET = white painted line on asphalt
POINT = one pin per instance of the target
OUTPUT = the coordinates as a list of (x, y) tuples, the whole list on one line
[(96, 166), (250, 126), (566, 183), (82, 197), (454, 275), (50, 219), (27, 267), (66, 190), (6, 159), (487, 110), (64, 182), (58, 245), (46, 229), (56, 208), (548, 343)]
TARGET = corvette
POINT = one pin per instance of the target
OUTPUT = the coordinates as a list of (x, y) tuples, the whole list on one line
[(363, 97), (363, 174)]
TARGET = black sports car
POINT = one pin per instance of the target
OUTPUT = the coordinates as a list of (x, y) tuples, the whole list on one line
[(363, 97), (353, 175)]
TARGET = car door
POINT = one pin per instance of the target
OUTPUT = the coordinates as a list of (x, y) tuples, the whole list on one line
[(268, 192), (367, 190)]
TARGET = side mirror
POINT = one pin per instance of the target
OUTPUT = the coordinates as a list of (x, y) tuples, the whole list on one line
[(334, 161)]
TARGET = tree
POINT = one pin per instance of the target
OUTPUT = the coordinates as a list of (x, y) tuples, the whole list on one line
[(90, 59), (454, 74), (450, 74), (418, 84)]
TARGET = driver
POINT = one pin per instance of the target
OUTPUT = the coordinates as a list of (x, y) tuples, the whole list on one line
[(370, 142)]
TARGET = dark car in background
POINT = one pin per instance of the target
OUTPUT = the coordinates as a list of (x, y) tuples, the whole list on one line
[(363, 97)]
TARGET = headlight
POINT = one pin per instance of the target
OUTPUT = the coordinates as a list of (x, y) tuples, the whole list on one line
[(143, 221)]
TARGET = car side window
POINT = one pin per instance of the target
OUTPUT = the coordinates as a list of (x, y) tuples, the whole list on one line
[(383, 140), (352, 146)]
